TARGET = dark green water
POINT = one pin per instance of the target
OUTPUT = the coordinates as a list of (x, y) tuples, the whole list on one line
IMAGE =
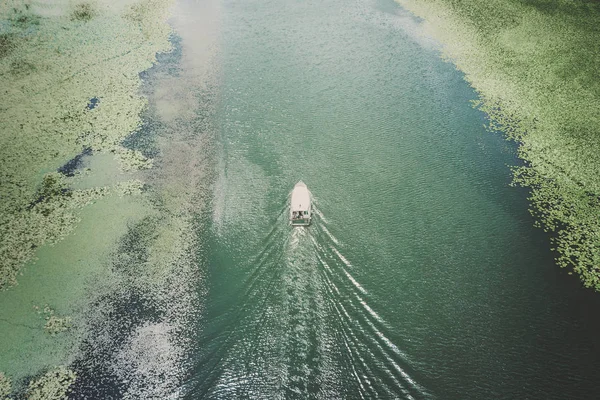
[(421, 275)]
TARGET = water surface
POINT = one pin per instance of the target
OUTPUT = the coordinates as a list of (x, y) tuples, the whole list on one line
[(421, 275)]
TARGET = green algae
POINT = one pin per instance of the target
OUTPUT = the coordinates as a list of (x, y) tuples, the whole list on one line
[(143, 14), (153, 271), (53, 385), (129, 188), (55, 324), (84, 11), (63, 276), (5, 386), (153, 268), (24, 19), (534, 65), (49, 218), (21, 67), (118, 195), (132, 160), (7, 43), (54, 57), (56, 231)]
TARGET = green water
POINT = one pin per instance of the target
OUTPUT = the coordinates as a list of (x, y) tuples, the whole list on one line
[(421, 274)]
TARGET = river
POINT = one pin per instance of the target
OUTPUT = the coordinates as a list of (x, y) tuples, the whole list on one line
[(421, 275)]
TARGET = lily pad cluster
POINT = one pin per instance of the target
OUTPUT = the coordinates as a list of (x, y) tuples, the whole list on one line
[(54, 57), (53, 385), (5, 386), (535, 66), (55, 324)]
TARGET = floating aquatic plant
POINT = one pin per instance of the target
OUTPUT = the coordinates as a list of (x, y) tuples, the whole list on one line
[(535, 66), (50, 73), (55, 324), (21, 67), (129, 188), (133, 160), (24, 20), (83, 11), (7, 44), (49, 217), (5, 386), (53, 385)]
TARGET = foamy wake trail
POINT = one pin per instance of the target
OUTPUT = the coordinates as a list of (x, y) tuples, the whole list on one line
[(364, 330), (303, 326)]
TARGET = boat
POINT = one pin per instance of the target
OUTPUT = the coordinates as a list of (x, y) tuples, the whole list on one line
[(300, 212)]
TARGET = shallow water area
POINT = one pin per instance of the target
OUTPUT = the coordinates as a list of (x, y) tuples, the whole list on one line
[(60, 278), (77, 232)]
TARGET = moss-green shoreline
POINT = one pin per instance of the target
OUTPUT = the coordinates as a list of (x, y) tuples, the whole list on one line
[(535, 67), (55, 57)]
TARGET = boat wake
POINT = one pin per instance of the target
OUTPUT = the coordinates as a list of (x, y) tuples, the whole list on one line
[(302, 326), (379, 366)]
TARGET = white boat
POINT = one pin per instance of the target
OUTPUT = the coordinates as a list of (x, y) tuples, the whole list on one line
[(300, 212)]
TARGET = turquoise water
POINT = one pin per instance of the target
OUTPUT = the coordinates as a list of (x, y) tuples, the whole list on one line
[(421, 275)]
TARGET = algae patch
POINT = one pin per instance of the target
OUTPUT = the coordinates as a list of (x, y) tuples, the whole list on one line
[(5, 386), (70, 88), (50, 216), (54, 57), (535, 66), (139, 326), (84, 11), (55, 324), (53, 385), (126, 307)]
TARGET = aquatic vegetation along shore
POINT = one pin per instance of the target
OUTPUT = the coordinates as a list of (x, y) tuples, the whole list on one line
[(535, 67), (54, 57), (55, 324), (53, 385), (5, 386)]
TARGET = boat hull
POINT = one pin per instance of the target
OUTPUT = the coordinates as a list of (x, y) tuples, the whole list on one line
[(300, 206), (301, 222)]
